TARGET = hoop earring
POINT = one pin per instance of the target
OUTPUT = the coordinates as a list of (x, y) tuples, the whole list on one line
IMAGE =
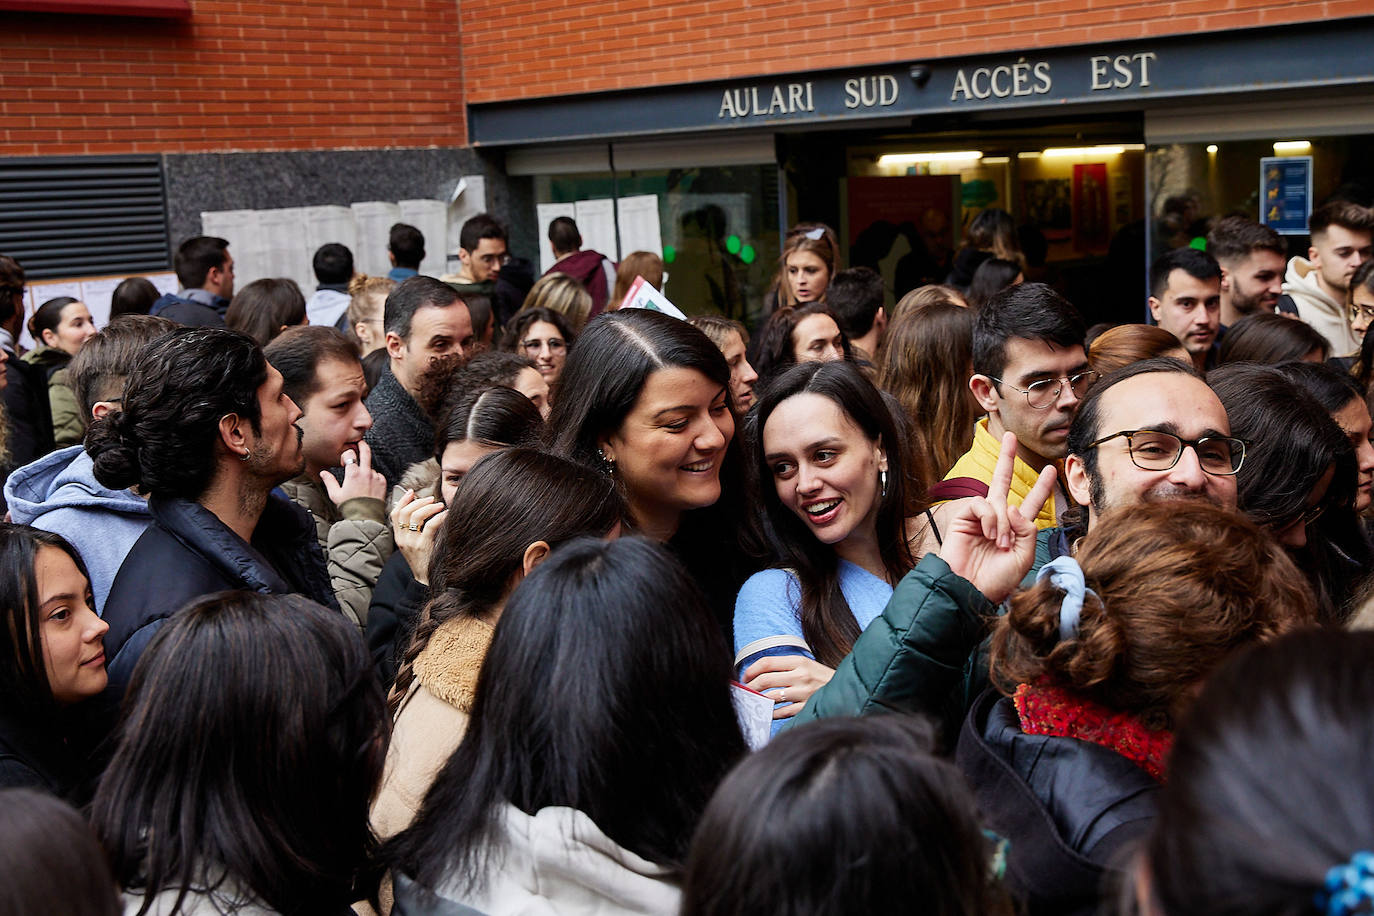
[(882, 481), (245, 456)]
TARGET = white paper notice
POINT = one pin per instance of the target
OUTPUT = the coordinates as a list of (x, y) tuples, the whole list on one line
[(596, 223), (165, 283), (431, 218), (545, 214), (642, 295), (639, 226), (96, 294), (375, 219), (243, 231), (755, 714)]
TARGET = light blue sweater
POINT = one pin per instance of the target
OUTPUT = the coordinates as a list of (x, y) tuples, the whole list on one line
[(768, 613)]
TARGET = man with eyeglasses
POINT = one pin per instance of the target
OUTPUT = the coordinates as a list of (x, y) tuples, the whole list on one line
[(482, 252), (1029, 372), (1150, 431)]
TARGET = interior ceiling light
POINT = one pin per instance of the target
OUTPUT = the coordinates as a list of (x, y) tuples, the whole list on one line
[(1107, 150), (1292, 146), (913, 158)]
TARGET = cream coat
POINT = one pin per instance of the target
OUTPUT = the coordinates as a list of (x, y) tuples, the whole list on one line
[(431, 720)]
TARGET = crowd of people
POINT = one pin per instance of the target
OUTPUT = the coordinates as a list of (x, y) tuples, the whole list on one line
[(489, 594)]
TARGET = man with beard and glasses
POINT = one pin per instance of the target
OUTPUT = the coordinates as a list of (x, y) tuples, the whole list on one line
[(1150, 431), (204, 428), (1252, 259), (1029, 373)]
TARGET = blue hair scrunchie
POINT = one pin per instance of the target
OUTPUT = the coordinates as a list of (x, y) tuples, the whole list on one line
[(1349, 888), (1066, 575)]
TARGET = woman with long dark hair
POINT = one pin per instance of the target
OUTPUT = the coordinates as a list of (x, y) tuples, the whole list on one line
[(601, 725), (52, 644), (925, 363), (1270, 805), (1300, 478), (844, 815), (507, 514), (482, 421), (826, 461), (646, 399), (808, 332), (252, 740)]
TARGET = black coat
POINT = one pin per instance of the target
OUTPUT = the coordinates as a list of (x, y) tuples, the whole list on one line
[(401, 434), (51, 750), (1070, 809), (28, 412), (188, 553), (396, 604)]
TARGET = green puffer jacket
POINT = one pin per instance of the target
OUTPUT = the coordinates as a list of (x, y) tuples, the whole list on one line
[(927, 652)]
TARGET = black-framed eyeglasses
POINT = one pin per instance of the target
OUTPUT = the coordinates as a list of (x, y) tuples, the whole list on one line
[(1356, 310), (1042, 394), (1152, 450)]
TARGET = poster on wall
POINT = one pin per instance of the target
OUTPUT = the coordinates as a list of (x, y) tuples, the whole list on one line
[(1286, 193), (1092, 229), (903, 227), (1048, 206)]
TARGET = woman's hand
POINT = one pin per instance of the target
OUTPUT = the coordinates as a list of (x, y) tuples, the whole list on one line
[(414, 522), (990, 543), (359, 479), (795, 677)]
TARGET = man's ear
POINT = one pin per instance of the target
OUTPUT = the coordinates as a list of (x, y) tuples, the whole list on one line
[(395, 346), (1314, 257), (534, 555), (1225, 280), (984, 392), (231, 433), (880, 319), (1154, 308), (102, 409), (1076, 480)]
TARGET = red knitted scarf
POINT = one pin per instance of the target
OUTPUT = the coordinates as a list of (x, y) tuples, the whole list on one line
[(1046, 710)]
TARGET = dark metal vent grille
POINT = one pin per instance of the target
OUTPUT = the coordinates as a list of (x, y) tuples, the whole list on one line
[(83, 216)]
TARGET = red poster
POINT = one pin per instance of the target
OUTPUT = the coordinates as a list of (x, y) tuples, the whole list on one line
[(903, 227), (1091, 220)]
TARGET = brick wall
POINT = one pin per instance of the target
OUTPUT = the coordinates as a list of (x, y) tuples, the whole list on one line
[(264, 75), (292, 75), (530, 48)]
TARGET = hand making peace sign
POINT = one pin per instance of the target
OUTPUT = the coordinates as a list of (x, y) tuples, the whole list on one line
[(990, 543)]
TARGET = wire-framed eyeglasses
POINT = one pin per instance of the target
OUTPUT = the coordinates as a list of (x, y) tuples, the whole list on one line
[(1152, 450), (1043, 394)]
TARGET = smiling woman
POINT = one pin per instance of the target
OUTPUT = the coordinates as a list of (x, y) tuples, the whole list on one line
[(646, 398), (827, 458)]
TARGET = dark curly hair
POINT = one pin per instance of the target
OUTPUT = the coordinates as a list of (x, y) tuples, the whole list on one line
[(163, 437)]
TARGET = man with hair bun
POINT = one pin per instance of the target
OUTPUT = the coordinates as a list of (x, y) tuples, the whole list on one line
[(1315, 287), (207, 431), (59, 492)]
